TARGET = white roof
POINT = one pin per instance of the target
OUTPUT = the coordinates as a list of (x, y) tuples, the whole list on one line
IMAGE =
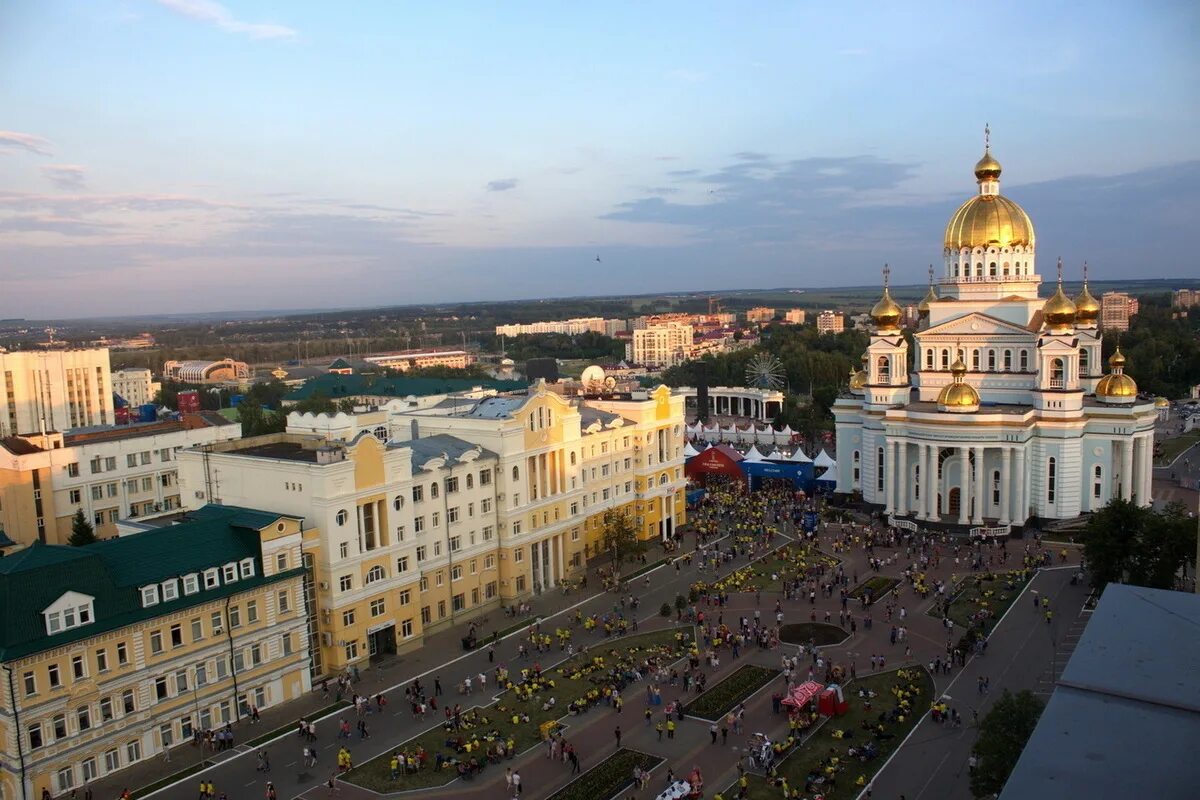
[(823, 459), (825, 475), (689, 451), (776, 455), (753, 455), (800, 457)]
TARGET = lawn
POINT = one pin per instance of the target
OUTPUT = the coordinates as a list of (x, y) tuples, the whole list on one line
[(607, 778), (576, 679), (719, 699), (906, 692), (768, 574), (818, 633), (980, 591), (1171, 448), (876, 586)]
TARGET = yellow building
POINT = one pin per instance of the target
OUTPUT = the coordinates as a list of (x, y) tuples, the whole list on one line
[(760, 315), (117, 650)]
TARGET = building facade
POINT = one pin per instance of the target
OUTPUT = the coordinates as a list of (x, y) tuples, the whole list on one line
[(1003, 412), (760, 315), (795, 316), (830, 322), (1115, 310), (135, 386), (420, 515), (420, 359), (1185, 298), (227, 370), (118, 650), (112, 474), (661, 345), (571, 327), (734, 401), (54, 390)]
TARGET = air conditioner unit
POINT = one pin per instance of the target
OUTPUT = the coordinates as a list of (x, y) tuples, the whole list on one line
[(325, 585), (327, 638), (199, 495)]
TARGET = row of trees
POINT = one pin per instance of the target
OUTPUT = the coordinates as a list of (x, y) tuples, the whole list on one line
[(1128, 543), (1162, 349)]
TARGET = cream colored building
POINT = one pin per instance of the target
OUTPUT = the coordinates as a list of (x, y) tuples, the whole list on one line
[(795, 316), (420, 359), (421, 514), (1115, 310), (118, 650), (111, 474), (760, 315), (830, 322), (227, 370), (661, 345), (570, 327), (54, 390), (136, 386)]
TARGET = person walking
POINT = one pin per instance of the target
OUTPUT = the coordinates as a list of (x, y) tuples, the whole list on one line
[(516, 783), (617, 734), (712, 731)]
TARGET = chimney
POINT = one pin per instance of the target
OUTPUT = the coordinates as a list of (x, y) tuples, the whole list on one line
[(329, 455), (415, 431)]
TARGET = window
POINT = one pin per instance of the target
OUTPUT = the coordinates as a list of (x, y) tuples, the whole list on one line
[(378, 608), (106, 709), (516, 528), (131, 460), (78, 670), (191, 583), (212, 578), (122, 654), (344, 549), (133, 751), (455, 544), (487, 533), (397, 502), (516, 474), (239, 661), (345, 583), (402, 564), (470, 481), (1051, 476), (433, 490), (256, 656), (452, 514), (451, 485), (375, 574), (284, 601), (201, 674), (405, 597), (160, 688), (421, 553), (147, 483), (170, 590), (176, 635), (879, 470), (519, 555), (1097, 483), (441, 609), (489, 591), (418, 524), (341, 517), (348, 618), (1024, 361), (351, 651), (246, 567), (285, 644), (181, 683), (98, 494), (418, 493), (34, 735), (156, 642), (426, 615), (102, 660), (251, 612), (149, 596), (485, 477), (455, 572), (164, 734), (73, 470), (30, 682), (112, 761), (406, 628), (1008, 361), (217, 623), (474, 566), (74, 496), (66, 779), (435, 519), (458, 602), (423, 585), (439, 578), (281, 562), (485, 505), (229, 573), (489, 562)]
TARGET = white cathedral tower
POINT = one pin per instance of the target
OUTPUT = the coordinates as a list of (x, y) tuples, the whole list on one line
[(1004, 414)]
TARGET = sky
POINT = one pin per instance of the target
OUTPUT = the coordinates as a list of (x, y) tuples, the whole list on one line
[(195, 155)]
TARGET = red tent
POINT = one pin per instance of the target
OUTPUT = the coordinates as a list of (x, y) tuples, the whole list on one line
[(801, 695), (714, 461)]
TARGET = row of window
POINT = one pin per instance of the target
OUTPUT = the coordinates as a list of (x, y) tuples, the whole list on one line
[(100, 464), (212, 578)]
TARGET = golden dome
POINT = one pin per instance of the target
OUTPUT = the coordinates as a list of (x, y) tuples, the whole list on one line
[(930, 297), (1087, 308), (886, 314), (858, 380), (1117, 359), (1116, 387), (989, 220), (958, 397), (987, 168), (958, 368), (1059, 311), (1162, 402)]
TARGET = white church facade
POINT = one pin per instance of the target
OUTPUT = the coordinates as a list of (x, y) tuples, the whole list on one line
[(1002, 412)]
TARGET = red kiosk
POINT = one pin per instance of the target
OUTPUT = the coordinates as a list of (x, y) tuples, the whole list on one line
[(832, 702)]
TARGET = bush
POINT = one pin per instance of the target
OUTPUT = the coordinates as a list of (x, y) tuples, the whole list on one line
[(664, 610), (722, 698), (608, 778)]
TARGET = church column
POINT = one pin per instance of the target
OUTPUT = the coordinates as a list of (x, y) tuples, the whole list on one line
[(1005, 485), (889, 487), (1021, 504), (922, 509), (1126, 469), (964, 488), (903, 489), (981, 480), (935, 484), (1148, 469)]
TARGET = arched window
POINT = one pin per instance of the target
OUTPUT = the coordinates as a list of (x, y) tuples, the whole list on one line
[(1057, 374), (856, 460), (1008, 360), (398, 502), (375, 574), (975, 360), (1024, 361), (879, 470), (917, 482), (929, 358), (945, 358), (991, 360), (1005, 267), (470, 481), (516, 475), (433, 489), (1083, 365), (1097, 482), (662, 479), (883, 366), (380, 433), (979, 270), (992, 269), (1051, 476), (996, 488), (341, 517)]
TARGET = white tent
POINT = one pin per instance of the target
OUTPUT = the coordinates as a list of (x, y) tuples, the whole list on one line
[(788, 433), (823, 460), (746, 435), (826, 475), (800, 457), (729, 434), (776, 455), (752, 455), (689, 451), (713, 434)]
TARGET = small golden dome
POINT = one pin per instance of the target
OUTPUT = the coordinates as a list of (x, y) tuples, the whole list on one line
[(989, 220), (1087, 308), (923, 306), (1162, 402), (1059, 311), (886, 314), (987, 168), (1116, 386), (858, 380), (959, 367), (958, 397), (1117, 359)]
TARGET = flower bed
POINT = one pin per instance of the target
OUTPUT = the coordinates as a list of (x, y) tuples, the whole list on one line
[(609, 777), (877, 586), (517, 718), (768, 573), (984, 594), (721, 698), (818, 633), (901, 697)]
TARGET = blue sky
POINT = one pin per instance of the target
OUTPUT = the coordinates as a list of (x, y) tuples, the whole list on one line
[(200, 155)]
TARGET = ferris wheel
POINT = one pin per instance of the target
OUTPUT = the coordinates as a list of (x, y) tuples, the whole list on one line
[(764, 371)]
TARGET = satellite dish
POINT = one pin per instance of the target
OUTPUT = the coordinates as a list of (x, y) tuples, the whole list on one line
[(610, 382), (592, 374)]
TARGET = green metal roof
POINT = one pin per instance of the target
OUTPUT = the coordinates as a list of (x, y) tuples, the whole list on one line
[(336, 387), (112, 572)]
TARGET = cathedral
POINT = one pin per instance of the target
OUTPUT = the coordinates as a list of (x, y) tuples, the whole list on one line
[(1003, 410)]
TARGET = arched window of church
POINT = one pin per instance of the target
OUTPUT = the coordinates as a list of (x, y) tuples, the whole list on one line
[(917, 481), (1051, 477), (1024, 361), (884, 368), (979, 270), (1008, 360), (1057, 373), (879, 470), (929, 358), (975, 360), (996, 488), (992, 269), (945, 359), (1097, 483), (856, 465), (1083, 364), (1005, 267), (991, 360)]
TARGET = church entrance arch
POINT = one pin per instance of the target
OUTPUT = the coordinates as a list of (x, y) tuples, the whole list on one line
[(955, 500)]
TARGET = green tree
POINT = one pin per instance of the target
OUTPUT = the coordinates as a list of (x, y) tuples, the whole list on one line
[(82, 531), (620, 537), (1003, 734), (257, 421), (1126, 543)]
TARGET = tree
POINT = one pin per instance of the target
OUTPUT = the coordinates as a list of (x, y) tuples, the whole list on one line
[(1126, 543), (257, 421), (1003, 734), (82, 531), (620, 537)]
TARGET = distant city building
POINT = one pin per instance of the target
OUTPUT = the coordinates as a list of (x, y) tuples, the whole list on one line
[(1185, 298), (830, 322), (111, 473), (861, 322), (661, 345), (405, 360), (734, 401), (226, 370), (142, 341), (374, 390), (571, 327), (1115, 310), (760, 315), (123, 647), (795, 316), (136, 386), (54, 390)]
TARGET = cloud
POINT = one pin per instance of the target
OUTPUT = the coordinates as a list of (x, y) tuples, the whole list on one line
[(64, 176), (82, 204), (25, 141), (216, 14), (50, 224), (502, 185)]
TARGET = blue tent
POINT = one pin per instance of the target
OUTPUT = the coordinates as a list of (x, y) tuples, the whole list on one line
[(799, 473)]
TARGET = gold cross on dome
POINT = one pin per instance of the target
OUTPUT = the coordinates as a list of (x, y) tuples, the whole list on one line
[(987, 137), (887, 271)]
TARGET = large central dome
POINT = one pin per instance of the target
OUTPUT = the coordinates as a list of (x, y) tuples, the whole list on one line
[(989, 219)]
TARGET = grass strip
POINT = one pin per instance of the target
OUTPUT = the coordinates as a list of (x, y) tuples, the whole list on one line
[(818, 633), (877, 586), (608, 778), (722, 697)]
